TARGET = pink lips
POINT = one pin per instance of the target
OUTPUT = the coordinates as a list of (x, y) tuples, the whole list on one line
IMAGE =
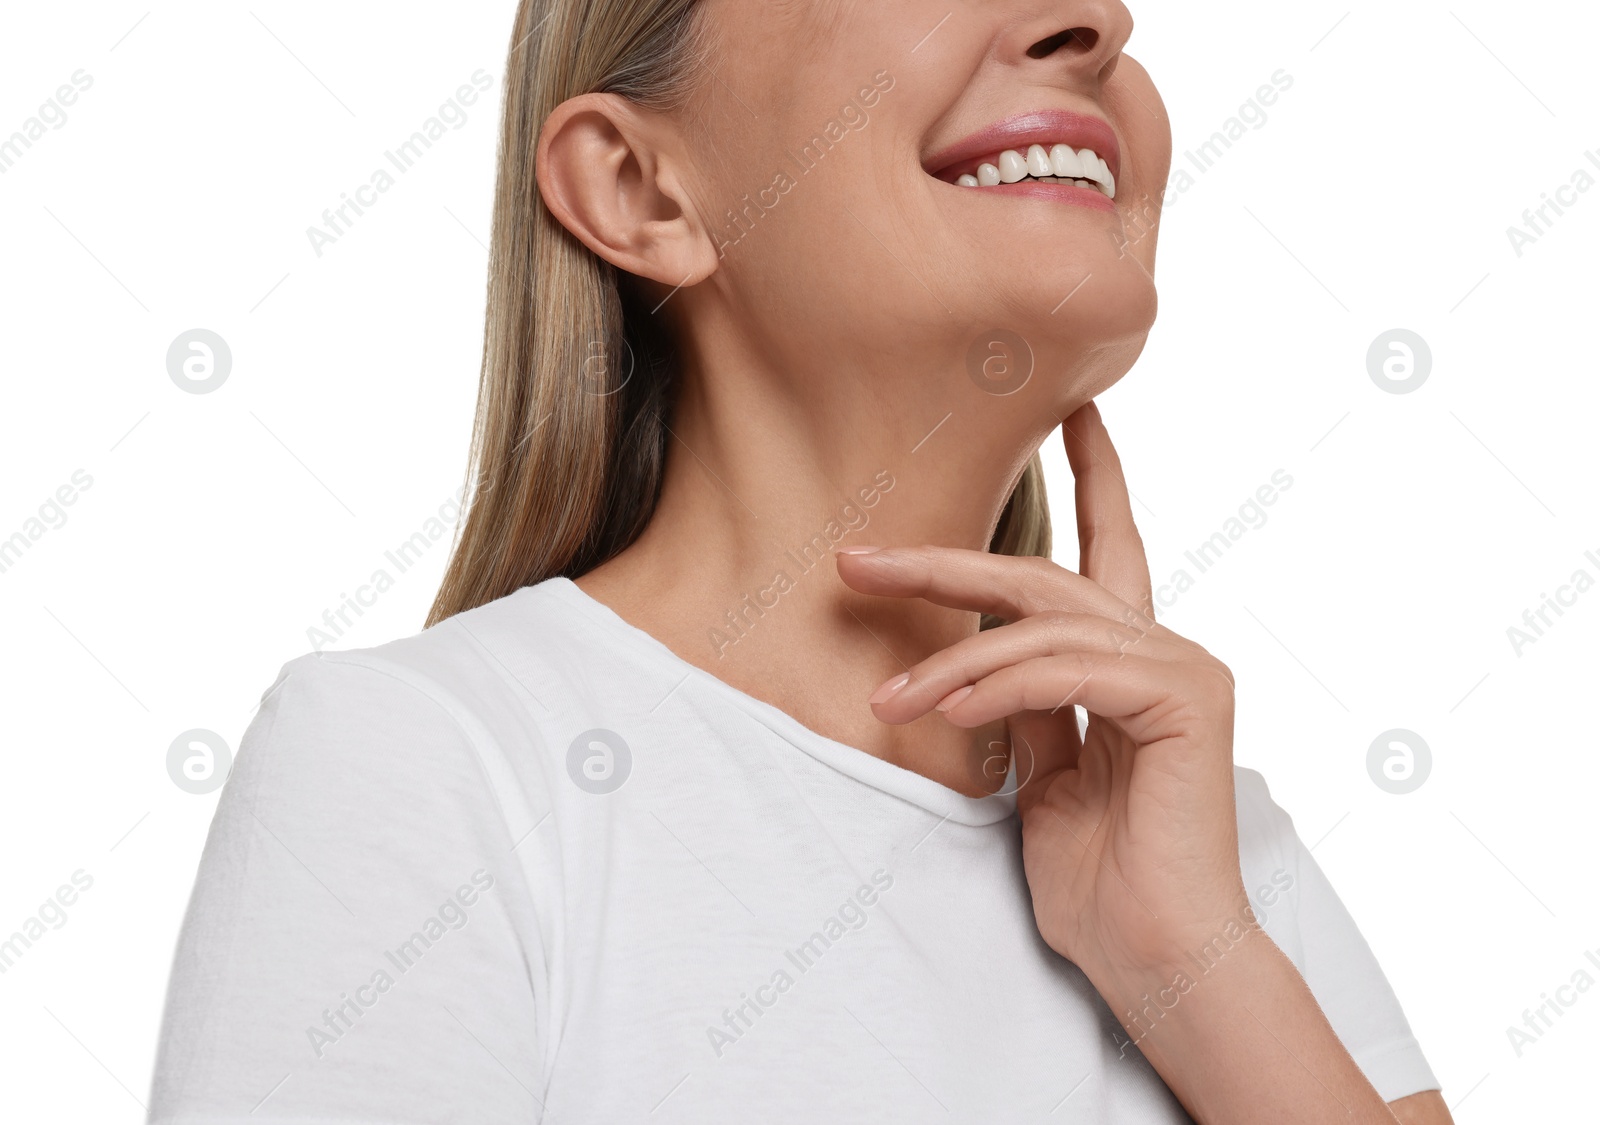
[(1037, 127)]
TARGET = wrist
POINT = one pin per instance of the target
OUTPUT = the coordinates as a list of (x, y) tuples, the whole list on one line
[(1169, 1010), (1170, 958)]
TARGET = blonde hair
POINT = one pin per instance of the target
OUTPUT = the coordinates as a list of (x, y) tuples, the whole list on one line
[(578, 378)]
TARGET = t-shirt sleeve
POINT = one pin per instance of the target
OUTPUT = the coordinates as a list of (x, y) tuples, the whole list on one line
[(1318, 934), (359, 945)]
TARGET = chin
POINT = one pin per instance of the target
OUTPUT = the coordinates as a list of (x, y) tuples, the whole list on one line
[(1093, 380), (1094, 306), (1083, 353)]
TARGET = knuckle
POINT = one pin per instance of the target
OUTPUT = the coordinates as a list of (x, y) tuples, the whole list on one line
[(1020, 591), (1058, 623), (1217, 667), (1081, 665), (1219, 678), (1035, 573)]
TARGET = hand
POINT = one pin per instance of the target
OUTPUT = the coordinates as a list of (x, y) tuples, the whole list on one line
[(1130, 845)]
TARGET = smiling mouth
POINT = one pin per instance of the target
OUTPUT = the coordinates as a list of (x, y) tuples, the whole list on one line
[(1046, 153), (1058, 164)]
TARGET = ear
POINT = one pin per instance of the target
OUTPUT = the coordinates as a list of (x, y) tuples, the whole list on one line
[(607, 177)]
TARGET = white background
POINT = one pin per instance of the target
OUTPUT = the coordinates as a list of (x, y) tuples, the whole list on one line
[(219, 527)]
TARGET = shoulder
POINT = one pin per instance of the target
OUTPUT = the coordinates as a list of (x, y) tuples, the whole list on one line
[(467, 718), (474, 670), (446, 706), (444, 663)]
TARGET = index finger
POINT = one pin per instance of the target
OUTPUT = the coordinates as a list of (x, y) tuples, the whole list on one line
[(1110, 550), (1011, 587)]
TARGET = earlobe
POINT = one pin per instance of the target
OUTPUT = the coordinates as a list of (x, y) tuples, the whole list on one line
[(604, 177)]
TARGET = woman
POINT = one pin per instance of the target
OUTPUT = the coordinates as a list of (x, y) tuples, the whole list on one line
[(692, 803)]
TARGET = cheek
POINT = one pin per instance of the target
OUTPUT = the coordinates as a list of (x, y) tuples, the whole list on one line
[(1147, 135), (840, 243)]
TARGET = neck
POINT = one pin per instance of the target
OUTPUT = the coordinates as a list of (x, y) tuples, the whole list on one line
[(735, 572)]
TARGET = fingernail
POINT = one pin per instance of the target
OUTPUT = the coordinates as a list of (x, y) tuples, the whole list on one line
[(887, 690), (953, 698), (857, 550)]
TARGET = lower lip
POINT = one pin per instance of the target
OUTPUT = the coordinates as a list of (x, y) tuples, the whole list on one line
[(1061, 193)]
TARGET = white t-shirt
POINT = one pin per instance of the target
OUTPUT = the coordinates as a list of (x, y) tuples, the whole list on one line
[(529, 865)]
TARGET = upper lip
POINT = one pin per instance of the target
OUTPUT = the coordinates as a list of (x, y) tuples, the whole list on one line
[(1045, 127)]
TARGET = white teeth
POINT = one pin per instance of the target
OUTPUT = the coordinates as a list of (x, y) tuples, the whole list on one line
[(1057, 164), (1065, 162)]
